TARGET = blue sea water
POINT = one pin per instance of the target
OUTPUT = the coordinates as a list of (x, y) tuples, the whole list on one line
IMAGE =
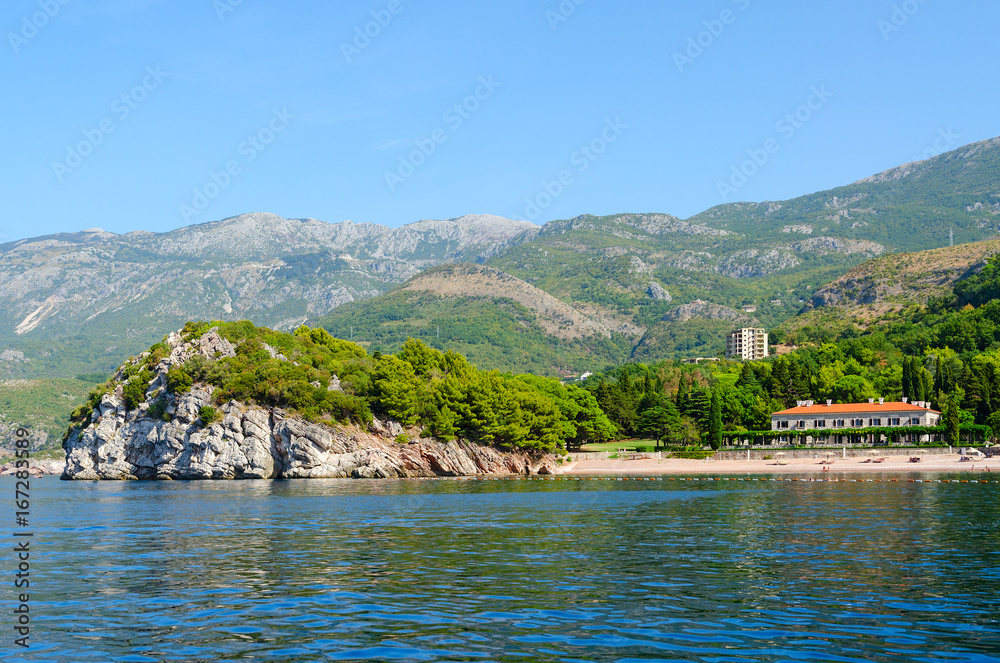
[(511, 570)]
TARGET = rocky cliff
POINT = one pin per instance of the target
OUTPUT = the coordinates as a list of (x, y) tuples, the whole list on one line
[(172, 440)]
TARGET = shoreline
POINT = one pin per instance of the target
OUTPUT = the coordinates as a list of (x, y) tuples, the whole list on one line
[(988, 467)]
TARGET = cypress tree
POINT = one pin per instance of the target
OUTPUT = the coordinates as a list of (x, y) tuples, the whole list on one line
[(715, 421), (952, 421), (908, 379)]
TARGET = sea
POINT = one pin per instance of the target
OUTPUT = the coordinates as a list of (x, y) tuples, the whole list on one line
[(716, 569)]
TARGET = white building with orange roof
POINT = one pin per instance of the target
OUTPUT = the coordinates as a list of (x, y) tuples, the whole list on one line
[(808, 415)]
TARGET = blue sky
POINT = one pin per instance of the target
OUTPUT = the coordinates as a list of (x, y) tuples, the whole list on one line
[(155, 114)]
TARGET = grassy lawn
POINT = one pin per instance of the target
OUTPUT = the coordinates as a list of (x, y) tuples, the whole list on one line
[(628, 445), (647, 444)]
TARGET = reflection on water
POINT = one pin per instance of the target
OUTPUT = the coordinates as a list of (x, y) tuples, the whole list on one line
[(563, 570)]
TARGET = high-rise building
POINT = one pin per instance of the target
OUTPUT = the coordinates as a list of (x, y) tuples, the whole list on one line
[(747, 343)]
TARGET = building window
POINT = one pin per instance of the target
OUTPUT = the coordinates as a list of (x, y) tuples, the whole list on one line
[(802, 423), (915, 421), (894, 421), (782, 424), (875, 422), (821, 423), (839, 423)]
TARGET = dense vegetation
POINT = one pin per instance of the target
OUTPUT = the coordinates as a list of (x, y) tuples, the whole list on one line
[(327, 379), (947, 353)]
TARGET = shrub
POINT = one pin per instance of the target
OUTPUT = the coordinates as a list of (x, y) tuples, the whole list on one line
[(158, 410), (345, 407), (81, 413), (209, 415), (178, 380), (194, 330), (156, 354), (135, 389), (402, 438)]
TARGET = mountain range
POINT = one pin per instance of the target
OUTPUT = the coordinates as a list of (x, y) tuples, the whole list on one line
[(569, 296)]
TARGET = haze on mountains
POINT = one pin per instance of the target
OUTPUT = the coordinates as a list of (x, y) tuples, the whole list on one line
[(569, 296)]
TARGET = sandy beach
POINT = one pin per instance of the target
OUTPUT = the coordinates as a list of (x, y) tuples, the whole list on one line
[(989, 468)]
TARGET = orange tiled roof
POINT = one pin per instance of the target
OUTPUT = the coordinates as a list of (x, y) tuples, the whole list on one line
[(854, 408)]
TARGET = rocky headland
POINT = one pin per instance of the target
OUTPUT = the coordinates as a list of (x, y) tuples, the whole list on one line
[(253, 442)]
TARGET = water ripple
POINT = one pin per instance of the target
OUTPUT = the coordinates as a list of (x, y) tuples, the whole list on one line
[(508, 571)]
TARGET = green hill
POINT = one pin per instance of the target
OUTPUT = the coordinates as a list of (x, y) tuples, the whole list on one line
[(769, 259), (883, 288), (912, 207), (41, 406)]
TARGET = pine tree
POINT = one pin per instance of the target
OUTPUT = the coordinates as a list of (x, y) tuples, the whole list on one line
[(699, 408)]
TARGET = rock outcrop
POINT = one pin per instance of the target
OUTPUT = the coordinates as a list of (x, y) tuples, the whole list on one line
[(704, 310), (253, 442), (35, 467), (657, 292)]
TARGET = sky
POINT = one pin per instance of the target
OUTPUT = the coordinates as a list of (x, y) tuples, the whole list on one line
[(157, 114)]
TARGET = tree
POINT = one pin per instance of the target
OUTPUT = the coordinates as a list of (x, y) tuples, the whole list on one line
[(582, 419), (993, 421), (715, 421), (423, 359), (853, 389), (952, 421), (682, 393), (397, 388), (699, 407), (661, 421), (980, 288)]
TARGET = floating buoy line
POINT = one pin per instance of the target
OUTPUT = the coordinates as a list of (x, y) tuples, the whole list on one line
[(738, 479)]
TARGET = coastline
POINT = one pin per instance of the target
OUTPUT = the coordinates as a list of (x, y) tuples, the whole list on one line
[(943, 463), (840, 466)]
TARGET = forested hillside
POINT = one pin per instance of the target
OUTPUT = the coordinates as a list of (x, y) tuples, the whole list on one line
[(947, 352), (884, 286)]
